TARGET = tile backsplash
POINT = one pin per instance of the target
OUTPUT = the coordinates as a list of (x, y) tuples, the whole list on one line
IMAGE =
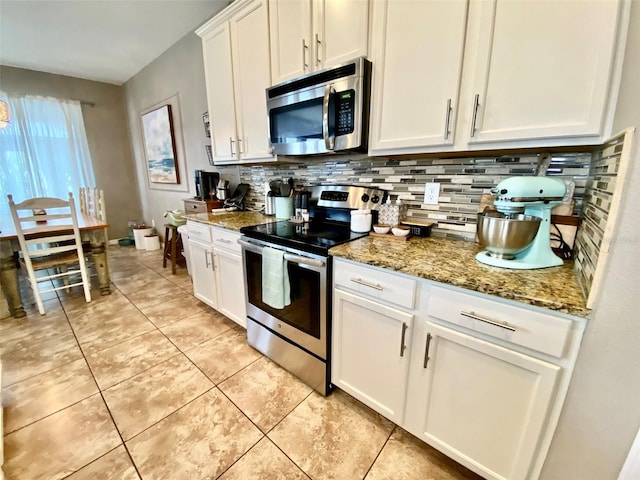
[(598, 195), (462, 181)]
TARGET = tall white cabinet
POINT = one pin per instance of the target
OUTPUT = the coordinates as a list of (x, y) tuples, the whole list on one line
[(479, 74), (237, 71), (310, 35)]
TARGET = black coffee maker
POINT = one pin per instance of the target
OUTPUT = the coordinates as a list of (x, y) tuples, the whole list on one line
[(206, 183)]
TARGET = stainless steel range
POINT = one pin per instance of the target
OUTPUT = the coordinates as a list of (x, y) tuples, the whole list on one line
[(296, 333)]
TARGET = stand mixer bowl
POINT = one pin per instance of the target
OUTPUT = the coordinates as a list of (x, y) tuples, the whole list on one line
[(504, 236)]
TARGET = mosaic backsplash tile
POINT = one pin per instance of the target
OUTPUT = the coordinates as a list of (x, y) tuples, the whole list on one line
[(597, 198), (462, 181)]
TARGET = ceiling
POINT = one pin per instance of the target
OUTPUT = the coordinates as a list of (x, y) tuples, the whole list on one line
[(102, 40)]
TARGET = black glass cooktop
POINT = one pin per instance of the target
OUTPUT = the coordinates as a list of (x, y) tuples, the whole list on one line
[(312, 237)]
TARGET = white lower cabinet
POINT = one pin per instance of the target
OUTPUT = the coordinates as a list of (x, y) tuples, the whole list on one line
[(230, 276), (479, 378), (370, 355), (217, 272), (203, 273), (482, 404)]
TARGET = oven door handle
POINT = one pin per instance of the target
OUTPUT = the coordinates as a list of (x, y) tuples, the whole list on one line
[(289, 257)]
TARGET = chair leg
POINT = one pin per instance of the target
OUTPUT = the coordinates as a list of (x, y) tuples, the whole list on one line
[(36, 292)]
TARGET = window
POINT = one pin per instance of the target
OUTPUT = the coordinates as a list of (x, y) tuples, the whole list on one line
[(44, 150)]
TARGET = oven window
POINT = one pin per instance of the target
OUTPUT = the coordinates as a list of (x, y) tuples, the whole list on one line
[(304, 311)]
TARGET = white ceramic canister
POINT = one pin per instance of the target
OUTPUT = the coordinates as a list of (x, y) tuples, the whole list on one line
[(360, 221)]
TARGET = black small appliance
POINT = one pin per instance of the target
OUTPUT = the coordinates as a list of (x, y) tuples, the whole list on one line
[(206, 183)]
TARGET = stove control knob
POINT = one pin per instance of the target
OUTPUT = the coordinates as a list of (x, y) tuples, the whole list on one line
[(364, 198), (375, 199)]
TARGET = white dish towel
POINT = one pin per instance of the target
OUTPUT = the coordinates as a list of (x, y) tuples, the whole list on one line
[(275, 279)]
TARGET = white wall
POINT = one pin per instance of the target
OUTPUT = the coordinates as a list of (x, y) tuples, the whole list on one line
[(602, 412)]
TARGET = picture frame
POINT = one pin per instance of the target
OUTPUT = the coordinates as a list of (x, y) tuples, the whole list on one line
[(207, 125), (160, 146)]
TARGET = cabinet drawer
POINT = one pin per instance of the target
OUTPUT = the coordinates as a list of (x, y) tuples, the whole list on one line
[(193, 206), (535, 330), (226, 240), (199, 232), (384, 286)]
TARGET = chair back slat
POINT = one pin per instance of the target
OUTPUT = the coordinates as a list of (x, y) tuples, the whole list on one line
[(41, 237)]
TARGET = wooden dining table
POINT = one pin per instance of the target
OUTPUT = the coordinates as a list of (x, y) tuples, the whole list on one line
[(91, 230)]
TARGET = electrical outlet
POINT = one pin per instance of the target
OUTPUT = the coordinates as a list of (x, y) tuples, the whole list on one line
[(431, 193)]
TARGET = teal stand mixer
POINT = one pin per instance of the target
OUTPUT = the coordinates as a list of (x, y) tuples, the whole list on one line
[(510, 236)]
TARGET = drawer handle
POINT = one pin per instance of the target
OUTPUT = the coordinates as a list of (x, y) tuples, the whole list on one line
[(426, 351), (194, 206), (495, 323), (359, 281), (402, 345), (223, 240)]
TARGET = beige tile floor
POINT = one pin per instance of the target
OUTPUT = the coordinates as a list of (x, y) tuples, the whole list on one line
[(150, 383)]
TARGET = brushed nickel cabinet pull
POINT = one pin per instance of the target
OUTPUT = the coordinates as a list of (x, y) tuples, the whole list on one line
[(206, 259), (447, 120), (426, 351), (495, 323), (402, 345), (359, 281), (231, 145), (318, 43), (305, 65), (476, 103)]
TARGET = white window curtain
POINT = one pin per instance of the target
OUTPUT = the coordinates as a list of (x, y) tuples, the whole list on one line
[(44, 150)]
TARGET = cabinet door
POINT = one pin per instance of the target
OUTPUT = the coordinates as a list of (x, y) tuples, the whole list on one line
[(252, 75), (369, 357), (416, 50), (290, 32), (203, 273), (543, 69), (340, 31), (231, 296), (216, 48), (479, 403)]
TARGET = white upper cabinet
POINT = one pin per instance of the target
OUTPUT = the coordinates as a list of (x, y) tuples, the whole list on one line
[(543, 69), (416, 50), (479, 74), (216, 48), (237, 71), (309, 35)]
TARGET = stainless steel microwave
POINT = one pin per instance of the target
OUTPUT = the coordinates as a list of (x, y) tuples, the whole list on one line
[(321, 112)]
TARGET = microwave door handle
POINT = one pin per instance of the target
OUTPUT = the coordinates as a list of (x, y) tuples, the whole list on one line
[(329, 141)]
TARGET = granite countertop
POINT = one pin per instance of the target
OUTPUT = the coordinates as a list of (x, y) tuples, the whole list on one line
[(453, 262), (231, 220)]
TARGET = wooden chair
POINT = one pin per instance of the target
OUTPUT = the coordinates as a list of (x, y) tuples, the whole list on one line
[(49, 240), (92, 203)]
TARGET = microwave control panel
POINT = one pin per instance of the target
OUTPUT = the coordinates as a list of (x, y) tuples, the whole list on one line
[(345, 112)]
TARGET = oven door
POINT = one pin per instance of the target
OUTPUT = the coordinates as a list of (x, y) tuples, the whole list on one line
[(304, 321)]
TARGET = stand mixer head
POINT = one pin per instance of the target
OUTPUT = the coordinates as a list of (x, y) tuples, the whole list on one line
[(533, 196)]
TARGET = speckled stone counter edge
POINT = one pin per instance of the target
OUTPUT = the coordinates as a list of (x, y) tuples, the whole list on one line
[(453, 262)]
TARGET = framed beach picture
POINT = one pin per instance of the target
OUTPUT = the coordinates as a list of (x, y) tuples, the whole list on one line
[(160, 146)]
